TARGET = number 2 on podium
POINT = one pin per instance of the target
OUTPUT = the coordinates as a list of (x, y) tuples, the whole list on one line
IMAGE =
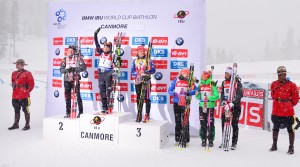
[(61, 126)]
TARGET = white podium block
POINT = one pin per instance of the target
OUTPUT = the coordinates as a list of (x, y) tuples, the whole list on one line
[(154, 134), (60, 128), (103, 129)]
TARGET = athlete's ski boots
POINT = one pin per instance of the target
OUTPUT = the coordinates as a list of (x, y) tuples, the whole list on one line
[(109, 111), (104, 112), (203, 143), (233, 146), (146, 118), (210, 144), (138, 118), (67, 116)]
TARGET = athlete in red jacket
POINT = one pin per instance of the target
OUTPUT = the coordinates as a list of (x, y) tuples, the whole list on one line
[(22, 84), (285, 96)]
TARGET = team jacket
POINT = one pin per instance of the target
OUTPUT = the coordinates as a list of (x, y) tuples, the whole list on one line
[(285, 96), (238, 92), (70, 65), (207, 89), (139, 65), (22, 83), (178, 89), (107, 61)]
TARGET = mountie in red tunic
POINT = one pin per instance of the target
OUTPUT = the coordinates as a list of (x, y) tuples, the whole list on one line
[(22, 83), (285, 96)]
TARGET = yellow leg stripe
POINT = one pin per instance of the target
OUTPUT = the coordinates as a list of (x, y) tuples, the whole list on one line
[(27, 107)]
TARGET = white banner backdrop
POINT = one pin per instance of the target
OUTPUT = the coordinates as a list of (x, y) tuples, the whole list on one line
[(177, 29)]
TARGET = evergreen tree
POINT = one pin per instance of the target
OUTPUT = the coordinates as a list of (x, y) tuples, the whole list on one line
[(210, 57), (4, 28), (14, 24)]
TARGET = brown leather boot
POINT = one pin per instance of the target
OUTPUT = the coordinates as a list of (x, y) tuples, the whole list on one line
[(291, 147), (275, 138), (27, 119), (16, 123)]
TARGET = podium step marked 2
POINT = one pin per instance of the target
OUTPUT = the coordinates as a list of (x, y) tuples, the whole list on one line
[(154, 134), (60, 128)]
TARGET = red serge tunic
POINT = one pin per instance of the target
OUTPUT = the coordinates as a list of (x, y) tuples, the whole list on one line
[(23, 83), (285, 96)]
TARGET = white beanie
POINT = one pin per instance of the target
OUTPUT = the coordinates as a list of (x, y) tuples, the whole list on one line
[(229, 70)]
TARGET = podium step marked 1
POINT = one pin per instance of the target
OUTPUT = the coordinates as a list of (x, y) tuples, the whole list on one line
[(154, 134)]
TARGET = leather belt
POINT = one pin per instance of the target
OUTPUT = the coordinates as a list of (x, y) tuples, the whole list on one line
[(20, 86), (282, 100)]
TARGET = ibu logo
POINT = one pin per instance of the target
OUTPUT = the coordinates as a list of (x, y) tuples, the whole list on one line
[(56, 73), (70, 40), (124, 75), (159, 52), (158, 99), (178, 64), (139, 40), (87, 51), (96, 62), (87, 96), (132, 87)]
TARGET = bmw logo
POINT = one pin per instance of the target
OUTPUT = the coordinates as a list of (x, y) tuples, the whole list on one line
[(103, 40), (56, 93), (158, 76), (85, 74), (119, 51), (57, 51), (179, 41), (121, 98)]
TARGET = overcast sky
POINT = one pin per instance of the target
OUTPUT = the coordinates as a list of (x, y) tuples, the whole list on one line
[(240, 27), (244, 26)]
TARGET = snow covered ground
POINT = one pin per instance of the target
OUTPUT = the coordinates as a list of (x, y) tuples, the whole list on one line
[(27, 148)]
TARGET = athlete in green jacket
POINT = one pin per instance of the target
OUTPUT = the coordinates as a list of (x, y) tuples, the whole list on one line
[(207, 94)]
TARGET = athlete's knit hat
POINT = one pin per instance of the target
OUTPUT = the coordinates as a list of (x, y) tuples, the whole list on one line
[(206, 75), (141, 48), (229, 70), (185, 71), (72, 47)]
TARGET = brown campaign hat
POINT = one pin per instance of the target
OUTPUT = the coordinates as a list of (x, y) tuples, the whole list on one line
[(281, 70), (20, 61)]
